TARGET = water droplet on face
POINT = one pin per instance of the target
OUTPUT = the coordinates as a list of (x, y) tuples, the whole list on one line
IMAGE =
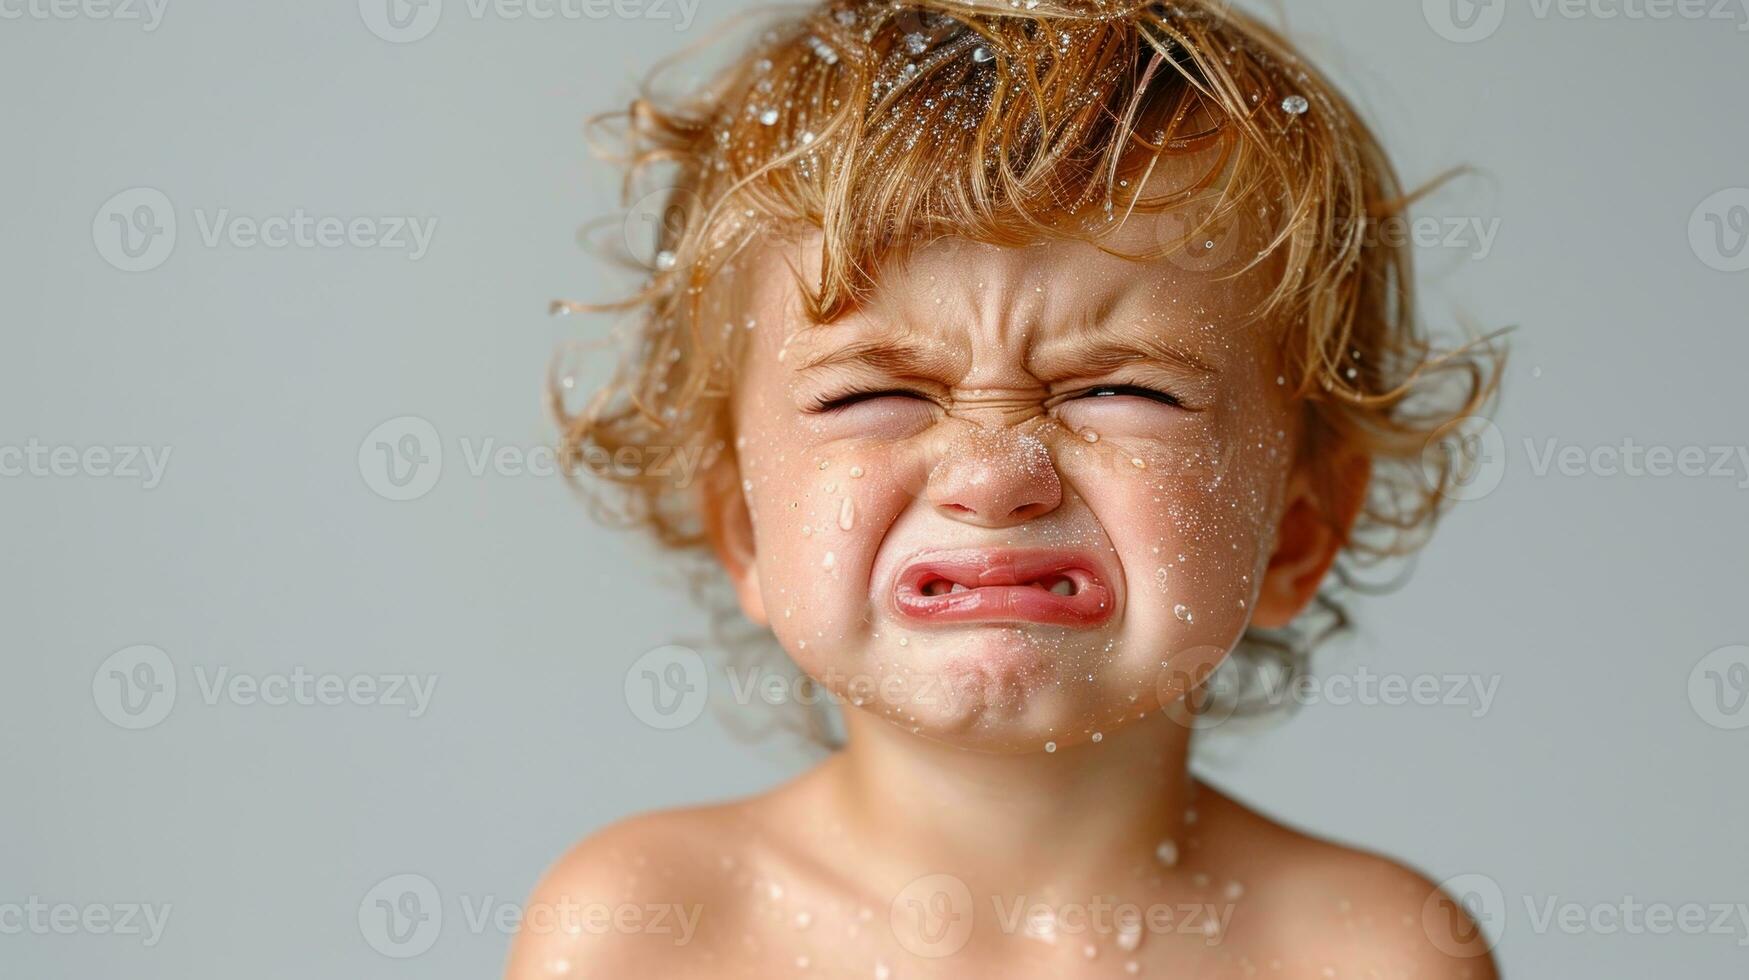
[(1090, 436), (846, 515), (1090, 951), (1138, 462), (804, 919), (904, 641), (1050, 746), (830, 560), (1233, 891), (1099, 736), (1167, 852), (1182, 612), (855, 472), (881, 972), (1295, 105), (1160, 575)]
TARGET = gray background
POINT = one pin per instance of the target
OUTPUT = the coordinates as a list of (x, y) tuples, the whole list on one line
[(1594, 778)]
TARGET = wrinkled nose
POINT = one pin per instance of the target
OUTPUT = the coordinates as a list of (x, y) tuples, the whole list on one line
[(995, 478)]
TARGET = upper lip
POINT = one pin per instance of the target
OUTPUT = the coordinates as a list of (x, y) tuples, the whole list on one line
[(938, 584)]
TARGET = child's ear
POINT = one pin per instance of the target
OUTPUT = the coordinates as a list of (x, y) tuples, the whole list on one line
[(1313, 530), (729, 526)]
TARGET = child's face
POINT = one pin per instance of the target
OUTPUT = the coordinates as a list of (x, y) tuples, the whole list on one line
[(1025, 494)]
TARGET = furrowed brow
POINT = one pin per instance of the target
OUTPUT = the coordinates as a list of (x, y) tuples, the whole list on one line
[(1096, 349), (894, 356)]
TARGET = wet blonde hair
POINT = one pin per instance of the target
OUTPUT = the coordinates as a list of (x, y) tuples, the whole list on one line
[(884, 126)]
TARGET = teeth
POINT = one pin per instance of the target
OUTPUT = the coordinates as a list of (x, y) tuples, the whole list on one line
[(1063, 586), (958, 588)]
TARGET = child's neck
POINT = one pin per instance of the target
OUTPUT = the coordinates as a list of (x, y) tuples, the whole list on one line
[(1073, 818)]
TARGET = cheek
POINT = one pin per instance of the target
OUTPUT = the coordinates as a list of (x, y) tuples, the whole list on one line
[(1190, 505), (820, 513)]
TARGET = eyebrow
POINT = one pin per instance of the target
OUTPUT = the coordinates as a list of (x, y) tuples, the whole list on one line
[(897, 355), (1092, 345)]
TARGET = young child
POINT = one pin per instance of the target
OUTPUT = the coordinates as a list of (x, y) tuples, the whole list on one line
[(1045, 357)]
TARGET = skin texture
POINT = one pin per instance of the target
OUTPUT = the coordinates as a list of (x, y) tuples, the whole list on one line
[(994, 766)]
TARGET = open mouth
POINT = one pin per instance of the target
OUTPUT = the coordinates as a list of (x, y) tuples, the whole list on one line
[(1053, 587)]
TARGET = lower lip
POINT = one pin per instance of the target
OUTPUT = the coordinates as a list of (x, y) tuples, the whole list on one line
[(1089, 606)]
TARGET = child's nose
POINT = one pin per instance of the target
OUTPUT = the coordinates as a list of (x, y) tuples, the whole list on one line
[(994, 477)]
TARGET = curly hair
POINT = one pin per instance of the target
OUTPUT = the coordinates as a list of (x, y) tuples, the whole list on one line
[(883, 126)]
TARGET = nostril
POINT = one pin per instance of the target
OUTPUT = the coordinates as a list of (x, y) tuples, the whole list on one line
[(1027, 512)]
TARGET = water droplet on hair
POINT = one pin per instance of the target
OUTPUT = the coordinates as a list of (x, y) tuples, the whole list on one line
[(768, 117), (982, 53), (1295, 105), (665, 260)]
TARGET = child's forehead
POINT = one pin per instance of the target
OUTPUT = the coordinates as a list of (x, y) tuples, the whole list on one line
[(1058, 296)]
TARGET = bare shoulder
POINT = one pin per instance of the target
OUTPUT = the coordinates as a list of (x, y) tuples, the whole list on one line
[(648, 893), (670, 893), (1334, 910)]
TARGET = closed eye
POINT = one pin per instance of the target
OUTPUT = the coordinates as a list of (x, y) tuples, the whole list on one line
[(1135, 391), (836, 402)]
